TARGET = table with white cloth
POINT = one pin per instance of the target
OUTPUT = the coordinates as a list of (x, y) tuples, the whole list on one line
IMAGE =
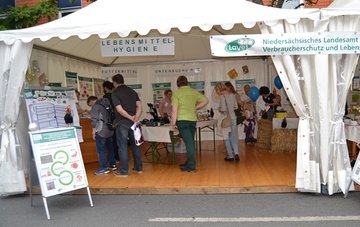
[(200, 125), (352, 134), (165, 134), (159, 134)]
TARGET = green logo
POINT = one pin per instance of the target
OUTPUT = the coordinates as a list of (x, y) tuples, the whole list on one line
[(239, 45)]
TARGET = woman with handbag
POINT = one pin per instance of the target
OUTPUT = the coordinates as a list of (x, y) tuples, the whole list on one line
[(227, 105)]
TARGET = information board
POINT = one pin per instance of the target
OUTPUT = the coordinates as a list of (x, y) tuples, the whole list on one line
[(58, 160)]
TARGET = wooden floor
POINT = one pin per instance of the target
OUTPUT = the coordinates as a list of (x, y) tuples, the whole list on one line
[(257, 172)]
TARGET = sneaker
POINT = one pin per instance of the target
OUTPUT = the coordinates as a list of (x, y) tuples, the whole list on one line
[(118, 174), (184, 164), (136, 171), (237, 158), (113, 167), (253, 140), (188, 169), (229, 159), (102, 171)]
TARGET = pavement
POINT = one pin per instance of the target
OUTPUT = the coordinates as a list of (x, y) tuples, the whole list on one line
[(284, 209)]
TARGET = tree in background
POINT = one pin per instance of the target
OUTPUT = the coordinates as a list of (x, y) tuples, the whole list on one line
[(27, 16)]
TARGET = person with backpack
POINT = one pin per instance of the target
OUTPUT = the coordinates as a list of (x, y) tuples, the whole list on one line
[(108, 88), (102, 132)]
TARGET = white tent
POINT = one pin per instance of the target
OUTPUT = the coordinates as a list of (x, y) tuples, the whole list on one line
[(316, 85)]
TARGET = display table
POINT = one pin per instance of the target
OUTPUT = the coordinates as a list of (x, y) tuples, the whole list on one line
[(159, 134), (200, 125), (165, 134)]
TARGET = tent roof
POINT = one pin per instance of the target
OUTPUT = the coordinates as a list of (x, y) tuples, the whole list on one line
[(190, 22)]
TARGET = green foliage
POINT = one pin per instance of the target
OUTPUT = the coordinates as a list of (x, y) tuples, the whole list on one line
[(27, 16)]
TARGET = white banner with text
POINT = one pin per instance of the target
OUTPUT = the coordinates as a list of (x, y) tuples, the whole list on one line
[(138, 46), (285, 44), (109, 72)]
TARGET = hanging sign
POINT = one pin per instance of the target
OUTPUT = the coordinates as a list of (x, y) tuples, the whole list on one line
[(177, 71), (138, 46), (109, 72), (285, 44)]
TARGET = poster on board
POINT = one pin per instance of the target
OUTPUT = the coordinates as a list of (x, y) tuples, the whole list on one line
[(98, 88), (86, 87), (71, 80), (47, 108), (59, 164)]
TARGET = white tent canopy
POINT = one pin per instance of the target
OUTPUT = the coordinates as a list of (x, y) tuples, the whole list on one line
[(191, 22), (316, 85)]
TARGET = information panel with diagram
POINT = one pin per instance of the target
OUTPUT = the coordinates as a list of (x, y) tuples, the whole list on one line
[(58, 161)]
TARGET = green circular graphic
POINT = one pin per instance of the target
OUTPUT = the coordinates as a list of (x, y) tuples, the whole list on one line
[(72, 177)]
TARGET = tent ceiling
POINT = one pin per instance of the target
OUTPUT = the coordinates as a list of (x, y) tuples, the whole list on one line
[(190, 46), (190, 22)]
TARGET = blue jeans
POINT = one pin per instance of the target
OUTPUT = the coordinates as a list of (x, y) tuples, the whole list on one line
[(101, 144), (187, 131), (232, 139), (122, 136)]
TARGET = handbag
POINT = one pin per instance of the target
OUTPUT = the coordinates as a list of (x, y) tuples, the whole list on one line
[(226, 122)]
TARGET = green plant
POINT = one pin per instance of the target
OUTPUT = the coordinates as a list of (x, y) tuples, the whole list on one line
[(27, 16)]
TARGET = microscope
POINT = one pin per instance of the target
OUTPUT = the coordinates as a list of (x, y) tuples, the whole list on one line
[(156, 120)]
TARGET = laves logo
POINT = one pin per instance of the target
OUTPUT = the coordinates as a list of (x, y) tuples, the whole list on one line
[(239, 45)]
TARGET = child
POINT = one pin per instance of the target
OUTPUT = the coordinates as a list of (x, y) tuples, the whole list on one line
[(249, 123)]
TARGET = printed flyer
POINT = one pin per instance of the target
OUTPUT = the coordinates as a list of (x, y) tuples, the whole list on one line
[(58, 161)]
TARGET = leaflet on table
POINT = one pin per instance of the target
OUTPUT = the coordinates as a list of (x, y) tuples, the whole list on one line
[(58, 160)]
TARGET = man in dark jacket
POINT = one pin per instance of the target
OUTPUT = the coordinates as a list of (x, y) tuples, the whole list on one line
[(101, 133)]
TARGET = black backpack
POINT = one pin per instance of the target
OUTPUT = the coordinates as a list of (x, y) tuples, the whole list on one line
[(110, 117)]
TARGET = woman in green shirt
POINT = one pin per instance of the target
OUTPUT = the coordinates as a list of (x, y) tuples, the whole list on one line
[(185, 102)]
